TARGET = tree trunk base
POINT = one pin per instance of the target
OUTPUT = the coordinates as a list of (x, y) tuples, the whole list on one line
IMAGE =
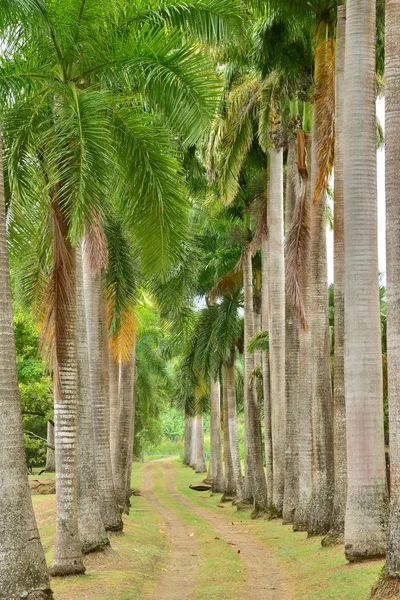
[(354, 557), (227, 498), (73, 567), (118, 526), (245, 505), (332, 539), (259, 513), (96, 546), (38, 595), (386, 588)]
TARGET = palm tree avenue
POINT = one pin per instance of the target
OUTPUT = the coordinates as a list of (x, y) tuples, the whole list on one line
[(200, 392)]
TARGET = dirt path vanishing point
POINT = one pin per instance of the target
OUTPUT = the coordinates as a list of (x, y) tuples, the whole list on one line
[(263, 580)]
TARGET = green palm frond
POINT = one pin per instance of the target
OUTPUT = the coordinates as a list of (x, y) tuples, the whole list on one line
[(259, 341)]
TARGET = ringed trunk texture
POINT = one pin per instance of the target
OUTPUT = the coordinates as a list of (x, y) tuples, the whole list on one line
[(254, 439), (277, 323), (229, 485), (216, 468), (230, 384), (302, 514), (94, 320), (23, 572), (113, 371), (124, 441), (67, 556), (292, 365), (187, 439), (92, 533), (50, 457), (392, 136), (339, 400), (266, 373), (200, 460), (367, 489), (321, 387)]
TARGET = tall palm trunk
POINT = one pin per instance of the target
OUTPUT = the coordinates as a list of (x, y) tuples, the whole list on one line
[(277, 323), (321, 400), (392, 130), (193, 443), (254, 439), (367, 489), (91, 529), (187, 439), (67, 556), (50, 457), (217, 471), (292, 365), (126, 411), (93, 296), (23, 572), (200, 459), (302, 514), (266, 372), (339, 400), (113, 370), (230, 384), (229, 484)]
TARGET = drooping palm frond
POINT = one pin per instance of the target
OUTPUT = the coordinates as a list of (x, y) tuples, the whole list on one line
[(259, 341), (154, 204), (212, 21), (324, 113)]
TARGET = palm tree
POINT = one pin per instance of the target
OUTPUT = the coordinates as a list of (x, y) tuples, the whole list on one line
[(367, 490), (92, 534), (22, 566), (63, 119), (339, 400), (392, 90), (292, 362), (277, 323), (217, 472), (110, 509)]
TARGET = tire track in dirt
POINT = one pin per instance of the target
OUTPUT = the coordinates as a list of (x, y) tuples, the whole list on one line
[(263, 578), (180, 577)]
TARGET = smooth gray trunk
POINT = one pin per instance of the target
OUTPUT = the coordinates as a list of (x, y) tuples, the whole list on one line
[(392, 143), (216, 467), (187, 439), (92, 533), (110, 510), (230, 384), (366, 511), (302, 513), (266, 373), (277, 323), (124, 441), (229, 486), (113, 372), (339, 400), (200, 459), (292, 364)]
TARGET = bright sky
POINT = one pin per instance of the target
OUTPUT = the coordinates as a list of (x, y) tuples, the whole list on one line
[(380, 108)]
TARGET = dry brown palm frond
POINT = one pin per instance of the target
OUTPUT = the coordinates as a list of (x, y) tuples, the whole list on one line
[(324, 113), (122, 343), (96, 245), (298, 236), (58, 296), (227, 286)]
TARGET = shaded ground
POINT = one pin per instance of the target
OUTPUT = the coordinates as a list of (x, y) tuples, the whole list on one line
[(182, 544)]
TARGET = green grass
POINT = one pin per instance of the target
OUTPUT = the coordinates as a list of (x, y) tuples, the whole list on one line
[(316, 573), (125, 574)]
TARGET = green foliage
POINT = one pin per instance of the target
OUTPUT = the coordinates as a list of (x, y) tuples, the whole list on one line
[(259, 341), (35, 451)]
